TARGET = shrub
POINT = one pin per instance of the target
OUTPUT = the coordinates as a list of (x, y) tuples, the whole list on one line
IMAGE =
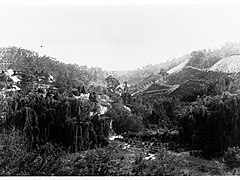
[(106, 161), (49, 159), (13, 148), (232, 157), (229, 164), (139, 165), (164, 164), (15, 159), (155, 109), (115, 161), (123, 120), (143, 112)]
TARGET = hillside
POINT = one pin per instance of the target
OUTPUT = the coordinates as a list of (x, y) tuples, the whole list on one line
[(134, 77), (66, 75), (178, 68), (193, 81), (229, 64), (201, 59), (183, 75)]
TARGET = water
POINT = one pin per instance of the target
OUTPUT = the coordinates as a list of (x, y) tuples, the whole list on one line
[(111, 138)]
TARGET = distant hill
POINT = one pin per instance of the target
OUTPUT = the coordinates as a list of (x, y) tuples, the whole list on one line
[(119, 72), (219, 59), (134, 77), (66, 75), (201, 59), (229, 64)]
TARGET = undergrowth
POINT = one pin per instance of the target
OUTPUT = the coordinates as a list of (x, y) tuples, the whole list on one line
[(52, 160), (16, 159)]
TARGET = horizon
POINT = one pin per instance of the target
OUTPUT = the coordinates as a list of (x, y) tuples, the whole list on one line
[(118, 36)]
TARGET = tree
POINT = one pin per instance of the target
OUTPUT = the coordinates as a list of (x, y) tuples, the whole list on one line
[(112, 83), (163, 73), (197, 58), (97, 75)]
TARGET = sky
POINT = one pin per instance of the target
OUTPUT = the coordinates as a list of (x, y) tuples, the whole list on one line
[(118, 35)]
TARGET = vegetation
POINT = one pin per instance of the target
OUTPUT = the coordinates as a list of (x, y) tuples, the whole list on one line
[(17, 160), (202, 59), (158, 110), (43, 120), (51, 159), (232, 158), (66, 75), (123, 120), (55, 135), (211, 124)]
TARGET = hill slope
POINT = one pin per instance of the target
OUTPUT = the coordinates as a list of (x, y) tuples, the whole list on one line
[(183, 75), (229, 64), (178, 68)]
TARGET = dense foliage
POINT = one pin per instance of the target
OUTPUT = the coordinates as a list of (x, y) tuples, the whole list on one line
[(66, 75), (50, 159), (232, 157), (66, 122), (158, 110), (165, 164), (17, 160), (206, 58), (211, 124), (207, 121), (123, 120)]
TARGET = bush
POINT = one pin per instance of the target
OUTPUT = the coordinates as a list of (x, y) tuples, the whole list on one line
[(108, 161), (143, 112), (115, 161), (155, 109), (232, 157), (50, 159), (123, 120), (229, 164), (164, 164), (15, 159)]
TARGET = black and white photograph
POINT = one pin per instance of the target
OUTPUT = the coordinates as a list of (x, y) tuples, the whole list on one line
[(107, 88)]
